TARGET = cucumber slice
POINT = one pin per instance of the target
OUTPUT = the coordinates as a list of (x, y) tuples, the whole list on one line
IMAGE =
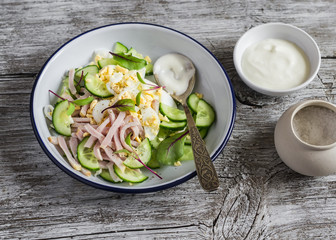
[(86, 156), (192, 102), (187, 153), (173, 125), (173, 114), (144, 151), (106, 61), (120, 48), (96, 86), (203, 132), (60, 119), (149, 69), (134, 53), (89, 69), (105, 174), (130, 175), (205, 114)]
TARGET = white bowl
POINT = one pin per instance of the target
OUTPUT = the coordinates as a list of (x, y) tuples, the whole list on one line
[(277, 31), (154, 41)]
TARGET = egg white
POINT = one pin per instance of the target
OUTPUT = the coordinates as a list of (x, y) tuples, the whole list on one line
[(98, 108), (165, 97), (148, 114), (149, 117)]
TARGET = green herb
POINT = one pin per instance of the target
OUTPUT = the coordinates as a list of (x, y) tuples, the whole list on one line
[(138, 98), (153, 87), (81, 77), (171, 149), (57, 95), (79, 102), (129, 61), (128, 140), (123, 105), (85, 101), (140, 78)]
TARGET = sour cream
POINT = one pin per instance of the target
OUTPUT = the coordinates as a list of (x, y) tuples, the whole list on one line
[(275, 64), (174, 71)]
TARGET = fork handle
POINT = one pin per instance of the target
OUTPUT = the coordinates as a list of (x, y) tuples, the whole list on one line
[(205, 169)]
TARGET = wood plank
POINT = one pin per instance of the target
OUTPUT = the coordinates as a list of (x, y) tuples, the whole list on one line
[(259, 197)]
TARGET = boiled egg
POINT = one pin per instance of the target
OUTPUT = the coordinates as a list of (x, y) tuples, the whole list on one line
[(150, 122), (97, 110), (163, 96)]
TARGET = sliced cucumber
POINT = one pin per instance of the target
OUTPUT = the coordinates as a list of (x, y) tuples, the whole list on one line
[(96, 86), (173, 114), (106, 61), (64, 88), (86, 156), (130, 175), (173, 125), (105, 174), (192, 102), (61, 120), (149, 69), (89, 69), (144, 151), (203, 132), (187, 153), (120, 48), (134, 53), (205, 114)]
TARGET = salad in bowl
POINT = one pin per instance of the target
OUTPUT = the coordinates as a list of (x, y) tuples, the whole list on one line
[(97, 78), (112, 121)]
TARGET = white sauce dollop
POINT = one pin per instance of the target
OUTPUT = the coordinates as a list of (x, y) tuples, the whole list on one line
[(174, 71), (275, 64)]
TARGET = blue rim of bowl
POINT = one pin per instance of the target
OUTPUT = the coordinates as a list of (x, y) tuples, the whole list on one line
[(129, 190)]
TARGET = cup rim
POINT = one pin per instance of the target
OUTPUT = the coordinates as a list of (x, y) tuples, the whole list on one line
[(307, 103)]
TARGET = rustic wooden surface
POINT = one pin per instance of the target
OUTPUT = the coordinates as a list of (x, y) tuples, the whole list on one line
[(259, 197)]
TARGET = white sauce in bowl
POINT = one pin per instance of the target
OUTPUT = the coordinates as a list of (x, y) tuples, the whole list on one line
[(174, 71), (275, 64)]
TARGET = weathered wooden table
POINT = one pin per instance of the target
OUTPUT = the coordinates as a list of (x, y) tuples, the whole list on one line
[(259, 196)]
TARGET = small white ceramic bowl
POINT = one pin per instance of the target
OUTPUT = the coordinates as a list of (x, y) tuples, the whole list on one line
[(278, 31), (154, 41)]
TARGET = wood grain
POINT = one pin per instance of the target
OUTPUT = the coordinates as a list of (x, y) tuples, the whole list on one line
[(258, 198)]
